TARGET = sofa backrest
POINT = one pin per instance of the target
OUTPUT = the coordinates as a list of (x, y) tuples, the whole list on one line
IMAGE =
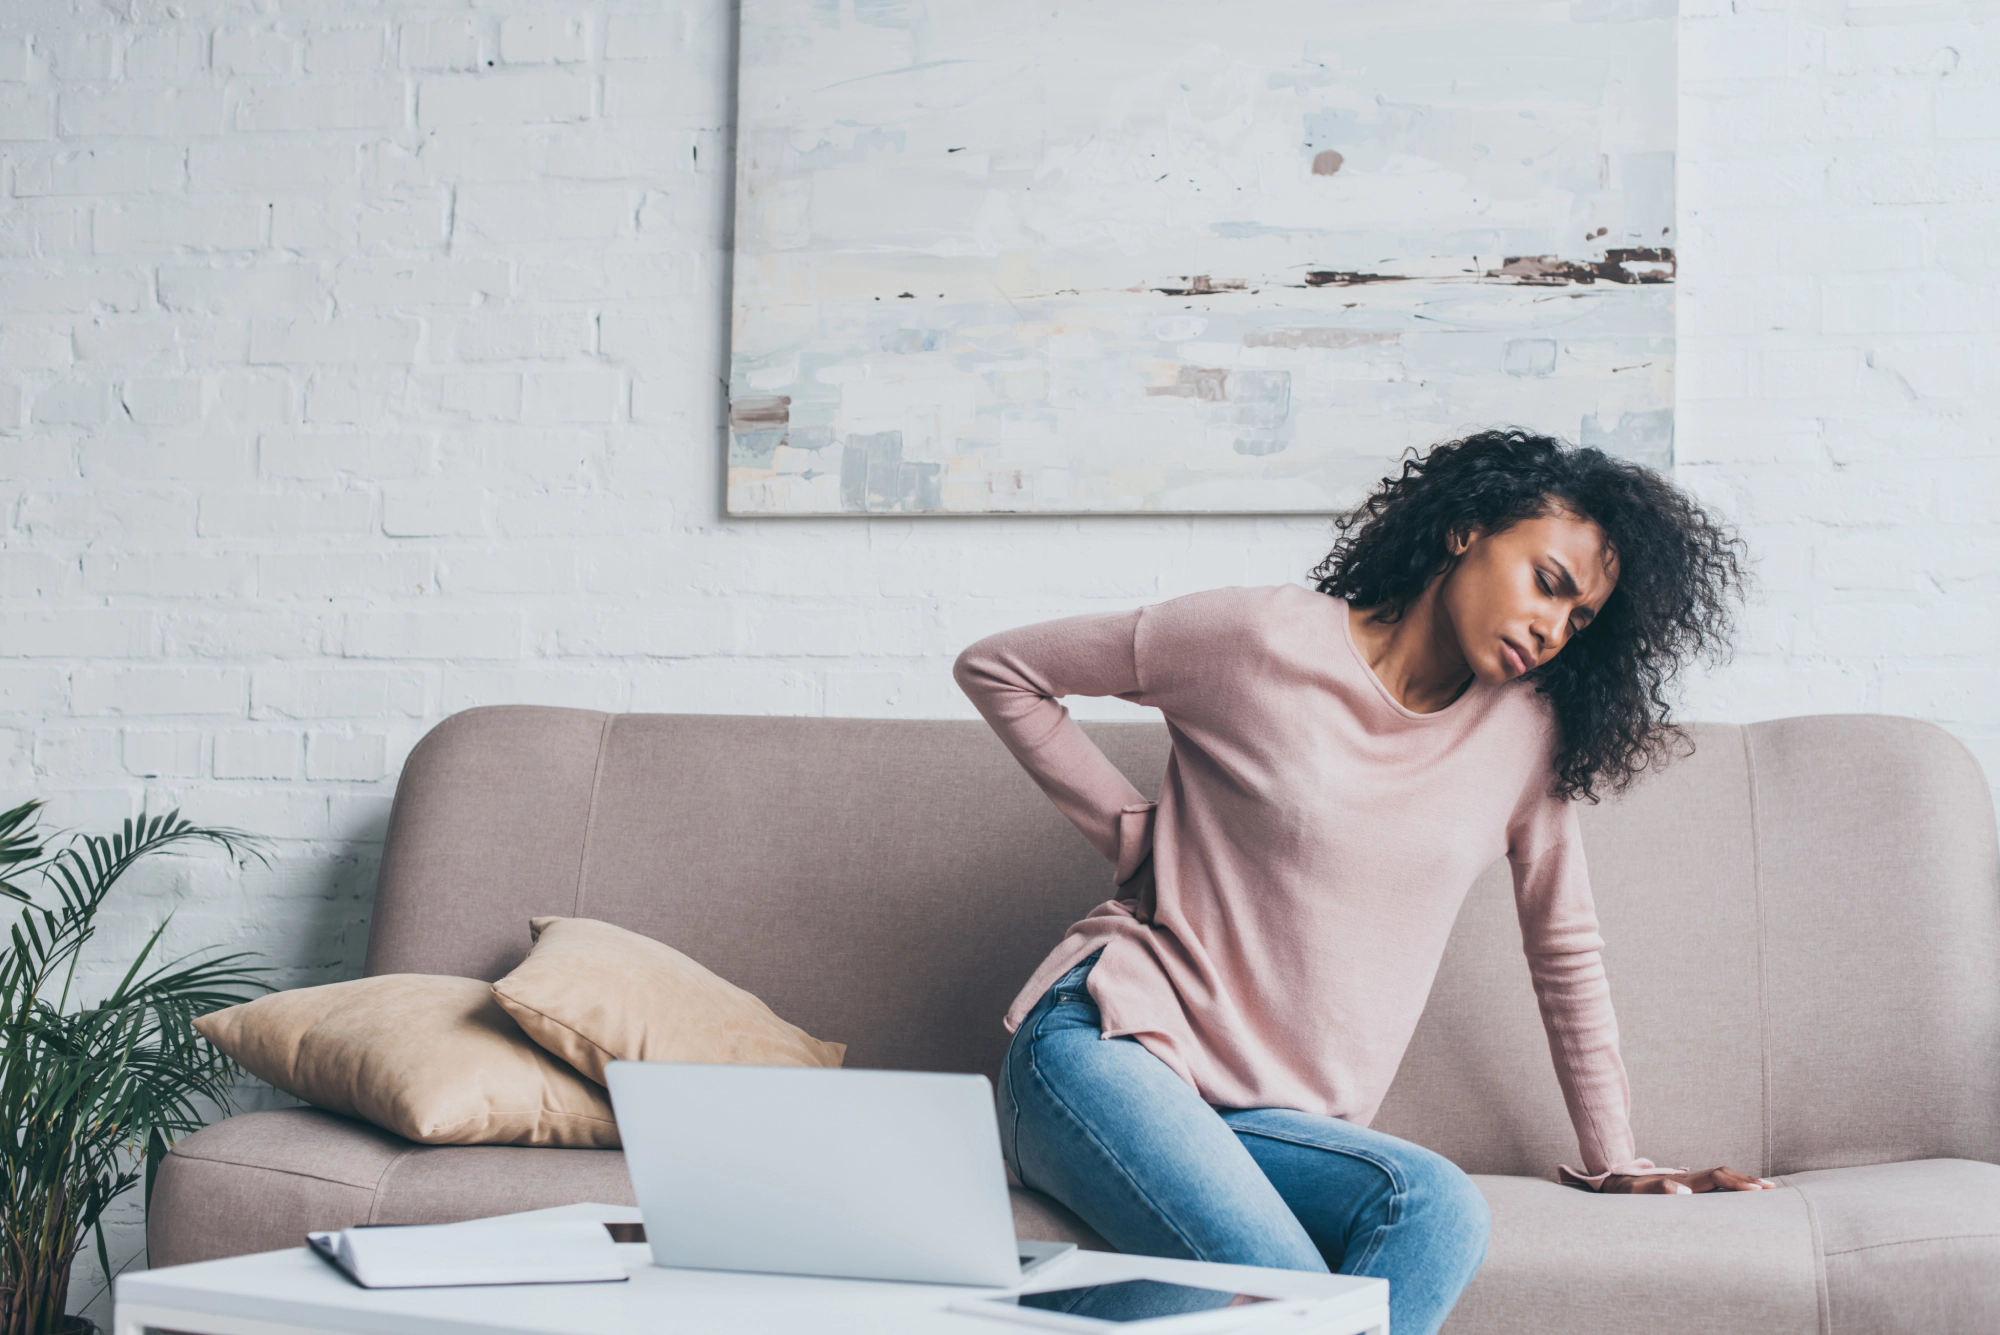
[(1803, 917)]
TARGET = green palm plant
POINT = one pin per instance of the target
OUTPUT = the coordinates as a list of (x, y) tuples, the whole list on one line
[(91, 1096)]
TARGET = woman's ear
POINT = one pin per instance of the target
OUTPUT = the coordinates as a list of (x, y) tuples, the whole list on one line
[(1459, 541)]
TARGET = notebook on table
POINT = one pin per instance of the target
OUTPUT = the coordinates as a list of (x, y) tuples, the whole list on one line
[(408, 1256)]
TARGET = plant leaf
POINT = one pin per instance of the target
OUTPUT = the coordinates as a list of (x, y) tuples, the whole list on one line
[(94, 1096)]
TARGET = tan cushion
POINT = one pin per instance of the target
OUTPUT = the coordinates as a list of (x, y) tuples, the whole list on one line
[(431, 1058), (592, 993)]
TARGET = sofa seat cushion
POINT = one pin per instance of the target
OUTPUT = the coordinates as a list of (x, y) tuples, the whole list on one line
[(1567, 1262), (1877, 1250), (258, 1181), (1907, 1247)]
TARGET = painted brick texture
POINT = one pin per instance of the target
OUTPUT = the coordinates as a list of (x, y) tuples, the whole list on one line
[(1840, 350), (361, 362)]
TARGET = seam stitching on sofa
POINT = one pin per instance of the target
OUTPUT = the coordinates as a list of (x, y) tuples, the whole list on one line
[(1763, 981), (267, 1168), (1910, 1242), (375, 1192), (590, 815), (1819, 1258)]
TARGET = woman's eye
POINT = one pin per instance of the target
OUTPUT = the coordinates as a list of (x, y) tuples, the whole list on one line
[(1542, 583)]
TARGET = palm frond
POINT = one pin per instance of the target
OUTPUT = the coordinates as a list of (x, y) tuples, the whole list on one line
[(91, 1097), (18, 845)]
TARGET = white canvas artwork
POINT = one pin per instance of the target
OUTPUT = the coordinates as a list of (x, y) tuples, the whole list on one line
[(1177, 256)]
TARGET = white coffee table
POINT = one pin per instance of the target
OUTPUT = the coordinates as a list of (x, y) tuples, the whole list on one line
[(295, 1293)]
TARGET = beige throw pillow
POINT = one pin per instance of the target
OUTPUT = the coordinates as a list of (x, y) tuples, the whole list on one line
[(593, 993), (431, 1058)]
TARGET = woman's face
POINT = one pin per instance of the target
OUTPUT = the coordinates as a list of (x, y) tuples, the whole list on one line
[(1517, 596)]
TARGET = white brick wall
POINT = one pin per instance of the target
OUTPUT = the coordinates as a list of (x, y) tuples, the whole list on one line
[(361, 362), (1840, 349)]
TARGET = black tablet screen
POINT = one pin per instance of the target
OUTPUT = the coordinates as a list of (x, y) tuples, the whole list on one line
[(1131, 1300)]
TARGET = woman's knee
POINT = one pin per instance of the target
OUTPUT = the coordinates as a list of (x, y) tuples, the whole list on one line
[(1449, 1206)]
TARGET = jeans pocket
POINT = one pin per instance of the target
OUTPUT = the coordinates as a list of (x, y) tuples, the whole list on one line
[(1075, 985), (1009, 1114)]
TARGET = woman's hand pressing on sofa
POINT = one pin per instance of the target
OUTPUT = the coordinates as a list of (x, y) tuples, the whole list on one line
[(1680, 1184)]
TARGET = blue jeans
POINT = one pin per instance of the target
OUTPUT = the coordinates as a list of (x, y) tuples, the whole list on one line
[(1112, 1132)]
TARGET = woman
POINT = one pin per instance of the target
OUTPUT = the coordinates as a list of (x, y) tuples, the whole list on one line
[(1194, 1067)]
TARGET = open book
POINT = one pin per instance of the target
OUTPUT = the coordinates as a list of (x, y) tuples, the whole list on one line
[(408, 1256)]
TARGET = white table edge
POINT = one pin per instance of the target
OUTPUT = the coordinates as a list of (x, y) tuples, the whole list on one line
[(161, 1300)]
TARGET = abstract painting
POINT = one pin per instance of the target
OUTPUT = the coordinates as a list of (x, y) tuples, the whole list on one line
[(1127, 256)]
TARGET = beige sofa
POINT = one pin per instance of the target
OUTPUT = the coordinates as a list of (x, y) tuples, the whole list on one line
[(1804, 929)]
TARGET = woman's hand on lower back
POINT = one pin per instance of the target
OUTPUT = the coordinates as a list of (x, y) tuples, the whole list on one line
[(1675, 1184)]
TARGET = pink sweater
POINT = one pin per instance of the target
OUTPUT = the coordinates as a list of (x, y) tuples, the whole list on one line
[(1312, 842)]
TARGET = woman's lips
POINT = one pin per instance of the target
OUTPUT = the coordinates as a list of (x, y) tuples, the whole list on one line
[(1515, 662)]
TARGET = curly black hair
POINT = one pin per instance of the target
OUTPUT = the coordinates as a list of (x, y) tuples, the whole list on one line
[(1677, 570)]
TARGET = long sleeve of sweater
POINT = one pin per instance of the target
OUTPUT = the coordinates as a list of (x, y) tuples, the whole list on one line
[(1016, 678), (1565, 958)]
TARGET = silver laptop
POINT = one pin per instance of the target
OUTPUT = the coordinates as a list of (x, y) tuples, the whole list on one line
[(805, 1171)]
